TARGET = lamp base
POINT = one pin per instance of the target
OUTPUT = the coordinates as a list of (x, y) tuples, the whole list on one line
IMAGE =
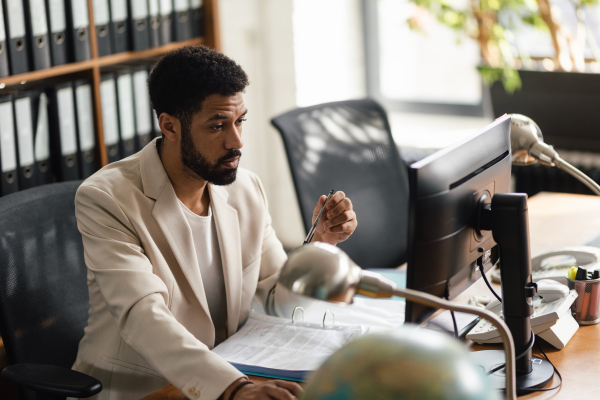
[(542, 373)]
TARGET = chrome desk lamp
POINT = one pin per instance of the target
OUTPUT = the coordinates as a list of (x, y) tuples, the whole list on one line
[(324, 272), (528, 147)]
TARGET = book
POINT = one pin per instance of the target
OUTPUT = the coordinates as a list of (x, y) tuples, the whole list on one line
[(278, 348)]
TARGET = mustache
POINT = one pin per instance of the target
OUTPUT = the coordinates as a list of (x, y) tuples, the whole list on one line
[(229, 155)]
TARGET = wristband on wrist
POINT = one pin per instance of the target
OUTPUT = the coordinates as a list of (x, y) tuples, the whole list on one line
[(238, 387)]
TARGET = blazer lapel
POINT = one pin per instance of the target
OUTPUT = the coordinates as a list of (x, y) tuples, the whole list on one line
[(168, 214), (228, 233)]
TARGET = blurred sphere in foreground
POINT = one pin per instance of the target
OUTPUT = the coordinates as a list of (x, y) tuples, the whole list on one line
[(411, 363)]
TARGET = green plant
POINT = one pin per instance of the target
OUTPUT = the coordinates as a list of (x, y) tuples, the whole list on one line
[(492, 22)]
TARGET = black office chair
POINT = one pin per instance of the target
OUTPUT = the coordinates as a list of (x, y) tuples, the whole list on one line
[(43, 292), (348, 146)]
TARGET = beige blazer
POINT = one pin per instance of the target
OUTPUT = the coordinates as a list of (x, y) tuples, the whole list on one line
[(149, 323)]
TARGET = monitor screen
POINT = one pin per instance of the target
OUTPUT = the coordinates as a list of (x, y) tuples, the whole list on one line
[(446, 192)]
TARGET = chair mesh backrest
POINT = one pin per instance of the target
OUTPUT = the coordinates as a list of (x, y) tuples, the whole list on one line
[(43, 286), (348, 146)]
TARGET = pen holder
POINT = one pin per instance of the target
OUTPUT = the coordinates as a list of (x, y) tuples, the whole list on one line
[(586, 308)]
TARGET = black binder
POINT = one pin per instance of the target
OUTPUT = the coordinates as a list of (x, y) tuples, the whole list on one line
[(63, 132), (79, 29), (139, 24), (36, 22), (119, 29), (154, 28), (183, 20), (4, 71), (8, 150), (57, 19), (24, 133), (110, 121), (166, 21), (41, 137), (86, 139), (18, 43), (126, 112), (143, 111), (197, 10), (102, 22)]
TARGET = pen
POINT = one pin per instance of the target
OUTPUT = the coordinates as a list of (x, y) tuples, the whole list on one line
[(314, 226)]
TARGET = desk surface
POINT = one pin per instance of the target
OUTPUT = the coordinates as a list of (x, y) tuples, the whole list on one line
[(555, 220)]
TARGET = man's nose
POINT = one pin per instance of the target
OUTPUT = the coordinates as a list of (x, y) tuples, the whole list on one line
[(234, 139)]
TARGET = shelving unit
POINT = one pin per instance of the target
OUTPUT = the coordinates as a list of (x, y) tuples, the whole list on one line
[(92, 69)]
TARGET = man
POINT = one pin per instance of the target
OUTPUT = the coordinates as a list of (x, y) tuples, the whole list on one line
[(178, 241)]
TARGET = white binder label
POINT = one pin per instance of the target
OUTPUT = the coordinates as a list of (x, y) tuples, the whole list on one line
[(38, 17), (8, 151), (85, 120), (66, 117), (58, 22), (182, 5), (109, 112), (2, 31), (142, 103), (101, 12), (24, 130), (80, 13), (16, 18), (42, 134), (195, 4), (125, 93), (166, 7), (118, 10), (153, 8), (139, 9)]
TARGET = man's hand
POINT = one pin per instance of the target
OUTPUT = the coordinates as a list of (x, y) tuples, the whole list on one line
[(275, 389), (338, 221)]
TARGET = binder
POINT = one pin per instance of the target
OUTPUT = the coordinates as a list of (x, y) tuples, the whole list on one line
[(197, 11), (183, 20), (102, 21), (166, 21), (57, 19), (41, 137), (138, 24), (63, 132), (143, 115), (8, 150), (108, 99), (85, 128), (37, 32), (154, 14), (17, 40), (79, 29), (24, 131), (125, 111), (118, 26), (4, 71)]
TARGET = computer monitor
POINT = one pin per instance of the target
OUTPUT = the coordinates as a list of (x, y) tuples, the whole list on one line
[(446, 187)]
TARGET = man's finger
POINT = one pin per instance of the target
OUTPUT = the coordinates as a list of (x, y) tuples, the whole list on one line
[(345, 216), (335, 199), (279, 393), (346, 227), (343, 205), (293, 387), (319, 205)]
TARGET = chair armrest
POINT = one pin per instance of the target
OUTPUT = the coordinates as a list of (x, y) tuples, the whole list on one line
[(52, 380)]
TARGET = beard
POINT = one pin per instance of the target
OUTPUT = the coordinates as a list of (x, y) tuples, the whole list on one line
[(213, 173)]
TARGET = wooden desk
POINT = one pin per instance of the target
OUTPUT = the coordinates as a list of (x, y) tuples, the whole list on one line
[(555, 220)]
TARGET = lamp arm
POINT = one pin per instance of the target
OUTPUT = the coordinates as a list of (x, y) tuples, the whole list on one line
[(583, 178), (507, 340)]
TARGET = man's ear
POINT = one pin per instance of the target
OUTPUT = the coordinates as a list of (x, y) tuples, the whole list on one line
[(170, 127)]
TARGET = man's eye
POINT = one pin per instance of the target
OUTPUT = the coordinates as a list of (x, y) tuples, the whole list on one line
[(239, 121), (217, 127)]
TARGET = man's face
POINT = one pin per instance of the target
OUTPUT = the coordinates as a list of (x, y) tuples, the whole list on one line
[(210, 148)]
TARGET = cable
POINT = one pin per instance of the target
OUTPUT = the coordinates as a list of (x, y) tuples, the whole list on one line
[(523, 354), (480, 264), (453, 320), (555, 370)]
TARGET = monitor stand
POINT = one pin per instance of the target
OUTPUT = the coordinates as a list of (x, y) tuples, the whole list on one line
[(506, 216)]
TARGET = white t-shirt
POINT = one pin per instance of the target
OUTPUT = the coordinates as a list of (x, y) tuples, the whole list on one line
[(206, 244)]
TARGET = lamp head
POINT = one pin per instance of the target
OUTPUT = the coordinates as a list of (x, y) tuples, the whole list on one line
[(324, 272), (527, 143)]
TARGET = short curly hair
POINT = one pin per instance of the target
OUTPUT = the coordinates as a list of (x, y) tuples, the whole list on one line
[(185, 77)]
